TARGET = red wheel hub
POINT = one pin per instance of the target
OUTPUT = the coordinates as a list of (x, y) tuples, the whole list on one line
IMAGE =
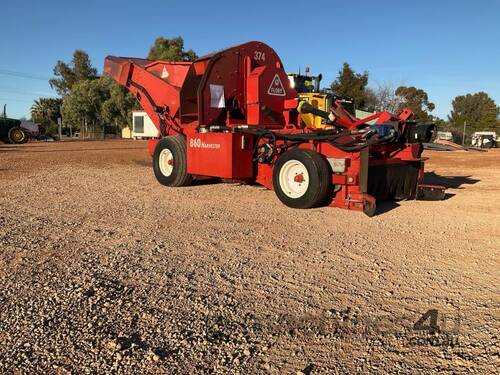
[(299, 178)]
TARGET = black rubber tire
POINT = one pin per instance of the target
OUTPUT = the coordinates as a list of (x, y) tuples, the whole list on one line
[(27, 138), (179, 176), (17, 135), (319, 178)]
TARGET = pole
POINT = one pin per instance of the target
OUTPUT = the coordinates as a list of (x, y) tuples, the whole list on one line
[(59, 125), (463, 135)]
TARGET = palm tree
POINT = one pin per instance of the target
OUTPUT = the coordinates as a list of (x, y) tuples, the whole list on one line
[(46, 110)]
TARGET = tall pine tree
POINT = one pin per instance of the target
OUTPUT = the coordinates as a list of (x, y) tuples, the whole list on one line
[(352, 84)]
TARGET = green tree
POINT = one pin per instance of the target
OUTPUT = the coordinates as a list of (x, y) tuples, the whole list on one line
[(46, 111), (170, 50), (82, 107), (352, 84), (417, 100), (117, 109), (441, 124), (479, 110), (79, 69), (95, 103)]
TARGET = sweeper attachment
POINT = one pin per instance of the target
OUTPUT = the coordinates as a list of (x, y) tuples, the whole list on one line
[(233, 115)]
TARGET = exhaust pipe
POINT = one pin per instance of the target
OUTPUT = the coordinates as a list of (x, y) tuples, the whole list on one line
[(317, 82)]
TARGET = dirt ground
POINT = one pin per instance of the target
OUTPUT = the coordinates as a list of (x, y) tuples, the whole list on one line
[(103, 270)]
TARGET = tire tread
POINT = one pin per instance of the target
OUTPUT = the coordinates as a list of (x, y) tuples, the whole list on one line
[(319, 176), (177, 144)]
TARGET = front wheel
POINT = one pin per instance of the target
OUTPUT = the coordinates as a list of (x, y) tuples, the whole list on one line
[(301, 178), (170, 163)]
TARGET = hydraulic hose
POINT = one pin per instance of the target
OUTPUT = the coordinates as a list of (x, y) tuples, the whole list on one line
[(361, 139), (305, 107)]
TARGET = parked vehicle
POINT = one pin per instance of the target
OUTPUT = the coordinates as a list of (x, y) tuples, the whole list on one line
[(233, 115), (484, 139), (444, 136), (12, 132)]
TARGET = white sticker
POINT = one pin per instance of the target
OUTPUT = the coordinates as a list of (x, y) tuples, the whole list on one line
[(164, 73), (217, 96), (276, 87)]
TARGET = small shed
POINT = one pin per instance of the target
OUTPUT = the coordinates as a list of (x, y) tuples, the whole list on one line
[(126, 133), (143, 127)]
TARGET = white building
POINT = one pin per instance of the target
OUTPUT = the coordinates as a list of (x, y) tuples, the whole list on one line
[(142, 126)]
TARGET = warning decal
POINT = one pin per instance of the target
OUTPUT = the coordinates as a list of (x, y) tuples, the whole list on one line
[(164, 73), (276, 87)]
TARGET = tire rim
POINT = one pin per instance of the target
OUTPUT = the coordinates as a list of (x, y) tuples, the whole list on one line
[(166, 161), (294, 179), (18, 135)]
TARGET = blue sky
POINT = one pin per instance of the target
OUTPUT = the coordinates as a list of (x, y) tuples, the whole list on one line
[(445, 47)]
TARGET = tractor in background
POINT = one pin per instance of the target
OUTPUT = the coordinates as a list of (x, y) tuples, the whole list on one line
[(12, 132), (17, 132), (308, 90)]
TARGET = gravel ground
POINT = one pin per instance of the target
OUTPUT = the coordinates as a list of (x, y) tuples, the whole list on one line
[(103, 270)]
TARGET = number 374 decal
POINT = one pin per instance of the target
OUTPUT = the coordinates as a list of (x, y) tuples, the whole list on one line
[(259, 56)]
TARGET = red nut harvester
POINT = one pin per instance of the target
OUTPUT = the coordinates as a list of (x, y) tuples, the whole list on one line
[(234, 115)]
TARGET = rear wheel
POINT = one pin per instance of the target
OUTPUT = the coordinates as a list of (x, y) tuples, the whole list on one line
[(170, 163), (17, 135), (301, 178)]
